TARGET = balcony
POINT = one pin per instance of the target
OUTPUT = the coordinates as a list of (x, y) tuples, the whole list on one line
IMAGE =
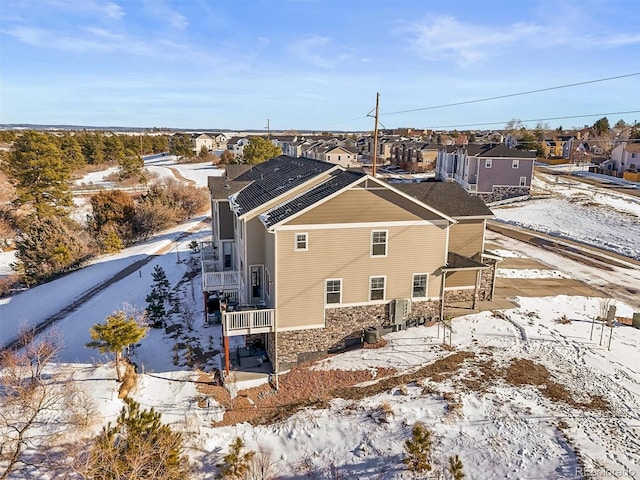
[(247, 322), (216, 281)]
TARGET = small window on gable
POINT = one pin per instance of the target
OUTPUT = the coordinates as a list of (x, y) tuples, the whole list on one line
[(333, 291), (419, 289), (379, 243), (515, 164), (523, 181), (301, 242), (376, 288), (488, 163)]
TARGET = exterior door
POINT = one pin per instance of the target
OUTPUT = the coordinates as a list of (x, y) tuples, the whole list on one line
[(257, 282)]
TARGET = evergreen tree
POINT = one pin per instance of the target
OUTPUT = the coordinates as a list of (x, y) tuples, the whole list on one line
[(204, 153), (418, 449), (48, 246), (180, 146), (113, 150), (72, 152), (157, 298), (235, 464), (258, 150), (138, 447), (92, 146), (115, 334), (455, 467), (41, 175), (131, 166)]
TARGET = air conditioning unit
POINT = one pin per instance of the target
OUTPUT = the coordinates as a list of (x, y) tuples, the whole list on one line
[(399, 312)]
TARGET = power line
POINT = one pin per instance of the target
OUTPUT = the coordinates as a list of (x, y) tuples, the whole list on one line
[(535, 119), (514, 94)]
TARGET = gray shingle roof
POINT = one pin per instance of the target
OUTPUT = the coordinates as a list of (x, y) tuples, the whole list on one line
[(338, 180), (447, 197), (270, 179)]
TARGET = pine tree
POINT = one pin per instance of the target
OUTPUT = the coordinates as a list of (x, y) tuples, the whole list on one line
[(37, 167), (418, 449), (455, 467), (157, 298), (235, 464), (258, 150), (139, 446), (115, 334)]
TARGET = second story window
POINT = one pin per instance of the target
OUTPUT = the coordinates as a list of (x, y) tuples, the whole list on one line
[(379, 243), (301, 242), (487, 163), (515, 164)]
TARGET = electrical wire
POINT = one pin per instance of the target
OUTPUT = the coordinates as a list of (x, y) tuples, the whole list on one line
[(535, 119), (513, 94)]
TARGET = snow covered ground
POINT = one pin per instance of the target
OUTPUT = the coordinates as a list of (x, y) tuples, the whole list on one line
[(579, 211), (500, 427)]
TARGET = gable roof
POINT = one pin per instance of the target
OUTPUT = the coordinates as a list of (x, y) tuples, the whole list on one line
[(273, 178), (447, 197), (501, 150)]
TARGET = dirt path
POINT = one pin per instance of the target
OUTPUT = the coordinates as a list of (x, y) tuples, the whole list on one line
[(179, 176), (100, 287)]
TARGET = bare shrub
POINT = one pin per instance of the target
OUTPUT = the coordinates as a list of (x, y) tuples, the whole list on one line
[(563, 320), (26, 395), (80, 408), (262, 466)]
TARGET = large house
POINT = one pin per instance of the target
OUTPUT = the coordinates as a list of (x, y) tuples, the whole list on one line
[(311, 253), (493, 172)]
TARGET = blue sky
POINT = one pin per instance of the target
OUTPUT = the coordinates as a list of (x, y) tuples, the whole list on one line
[(314, 64)]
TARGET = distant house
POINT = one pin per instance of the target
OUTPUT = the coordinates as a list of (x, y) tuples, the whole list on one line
[(493, 172), (310, 254), (415, 156), (199, 140), (236, 145), (625, 156), (219, 140)]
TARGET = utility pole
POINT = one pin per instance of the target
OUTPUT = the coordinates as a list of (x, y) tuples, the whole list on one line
[(268, 130), (375, 136)]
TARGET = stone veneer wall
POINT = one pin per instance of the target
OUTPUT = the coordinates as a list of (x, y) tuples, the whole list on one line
[(484, 289), (342, 326), (503, 193)]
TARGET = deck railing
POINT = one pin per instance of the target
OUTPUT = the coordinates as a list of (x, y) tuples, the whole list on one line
[(228, 280), (247, 322)]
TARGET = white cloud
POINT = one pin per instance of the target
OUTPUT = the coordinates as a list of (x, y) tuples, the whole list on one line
[(308, 49), (161, 10), (98, 8), (445, 37)]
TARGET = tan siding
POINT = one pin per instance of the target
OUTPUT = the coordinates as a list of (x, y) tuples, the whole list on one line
[(255, 241), (301, 275), (461, 279), (269, 264), (360, 205), (226, 221), (465, 237)]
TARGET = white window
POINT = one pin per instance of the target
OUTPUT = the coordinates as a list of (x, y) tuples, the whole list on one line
[(376, 288), (333, 291), (301, 242), (515, 164), (419, 289), (523, 181), (488, 162), (379, 243)]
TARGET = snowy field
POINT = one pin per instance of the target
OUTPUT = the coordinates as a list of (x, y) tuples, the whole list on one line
[(581, 212), (500, 427)]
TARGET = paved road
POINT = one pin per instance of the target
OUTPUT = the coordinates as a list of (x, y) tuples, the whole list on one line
[(96, 289), (586, 254)]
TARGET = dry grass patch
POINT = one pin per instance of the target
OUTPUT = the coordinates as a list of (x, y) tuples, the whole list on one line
[(526, 372)]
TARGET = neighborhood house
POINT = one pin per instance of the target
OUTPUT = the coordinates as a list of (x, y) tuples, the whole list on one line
[(307, 254)]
